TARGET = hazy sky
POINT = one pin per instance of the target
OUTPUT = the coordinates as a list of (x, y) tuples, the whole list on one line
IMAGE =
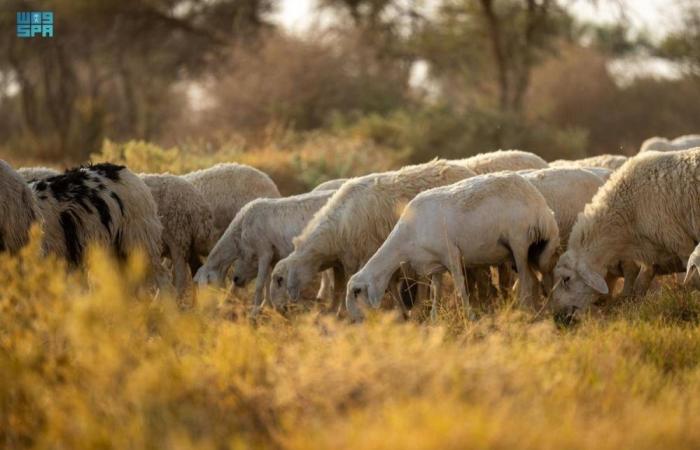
[(654, 15)]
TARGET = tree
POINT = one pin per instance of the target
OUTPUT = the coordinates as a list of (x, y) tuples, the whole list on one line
[(111, 65), (510, 36)]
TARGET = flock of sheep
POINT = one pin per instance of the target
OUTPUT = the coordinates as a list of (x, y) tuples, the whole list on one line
[(496, 221)]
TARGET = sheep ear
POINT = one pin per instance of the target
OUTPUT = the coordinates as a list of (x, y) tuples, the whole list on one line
[(374, 296), (691, 269), (593, 280)]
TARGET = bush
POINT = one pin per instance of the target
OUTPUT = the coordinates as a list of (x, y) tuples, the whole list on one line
[(307, 159), (445, 132)]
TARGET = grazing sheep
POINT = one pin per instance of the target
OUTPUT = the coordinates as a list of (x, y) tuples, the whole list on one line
[(228, 187), (268, 227), (18, 209), (661, 144), (482, 221), (330, 185), (354, 223), (612, 162), (648, 212), (99, 204), (188, 224), (693, 264), (36, 173), (567, 191), (503, 160)]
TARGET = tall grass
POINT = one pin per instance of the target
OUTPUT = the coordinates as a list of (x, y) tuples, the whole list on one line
[(91, 360)]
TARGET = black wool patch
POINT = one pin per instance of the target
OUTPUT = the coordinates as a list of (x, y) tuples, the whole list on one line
[(107, 170), (119, 250), (102, 209), (69, 223), (70, 186), (118, 200)]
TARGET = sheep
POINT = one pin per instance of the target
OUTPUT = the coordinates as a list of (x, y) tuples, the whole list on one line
[(601, 172), (481, 221), (36, 173), (354, 223), (267, 229), (693, 264), (330, 185), (566, 190), (228, 187), (503, 160), (188, 224), (687, 141), (99, 204), (661, 144), (647, 212), (612, 162), (18, 210)]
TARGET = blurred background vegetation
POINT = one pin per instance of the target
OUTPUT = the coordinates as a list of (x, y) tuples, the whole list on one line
[(393, 81)]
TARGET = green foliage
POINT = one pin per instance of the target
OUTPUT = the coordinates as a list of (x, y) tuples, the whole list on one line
[(447, 133)]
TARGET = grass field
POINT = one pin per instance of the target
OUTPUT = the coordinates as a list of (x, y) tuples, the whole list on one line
[(94, 362)]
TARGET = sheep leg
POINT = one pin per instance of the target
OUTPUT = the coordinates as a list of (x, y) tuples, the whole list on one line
[(471, 284), (326, 290), (338, 305), (395, 292), (644, 279), (505, 278), (435, 293), (423, 293), (456, 268), (484, 285), (262, 283), (630, 272), (182, 277), (528, 281), (547, 282)]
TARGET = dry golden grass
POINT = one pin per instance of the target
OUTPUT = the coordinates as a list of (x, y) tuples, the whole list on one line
[(92, 361), (296, 164)]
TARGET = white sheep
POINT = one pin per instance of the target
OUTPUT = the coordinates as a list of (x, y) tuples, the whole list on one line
[(567, 190), (102, 204), (36, 173), (693, 264), (330, 185), (503, 160), (661, 144), (648, 212), (482, 221), (228, 187), (268, 227), (18, 209), (602, 173), (612, 162), (355, 222), (188, 224)]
